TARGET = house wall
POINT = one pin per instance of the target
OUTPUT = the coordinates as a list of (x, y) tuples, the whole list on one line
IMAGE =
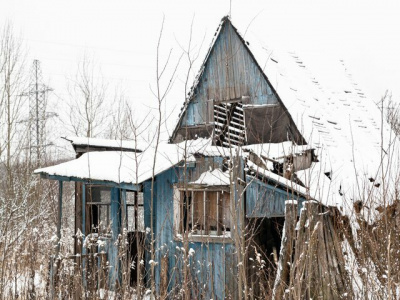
[(229, 73), (212, 264), (266, 200)]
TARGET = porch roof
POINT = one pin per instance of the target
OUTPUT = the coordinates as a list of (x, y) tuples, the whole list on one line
[(96, 143), (129, 167)]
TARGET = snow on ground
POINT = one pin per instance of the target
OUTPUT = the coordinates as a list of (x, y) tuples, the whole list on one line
[(17, 287), (110, 295)]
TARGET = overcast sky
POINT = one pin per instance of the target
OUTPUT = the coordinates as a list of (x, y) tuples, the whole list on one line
[(122, 37)]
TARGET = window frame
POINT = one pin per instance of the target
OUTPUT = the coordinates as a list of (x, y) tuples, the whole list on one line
[(219, 235), (136, 218), (93, 227)]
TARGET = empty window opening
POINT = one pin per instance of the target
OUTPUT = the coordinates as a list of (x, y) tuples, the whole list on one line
[(135, 213), (98, 199), (229, 124), (203, 213), (135, 227)]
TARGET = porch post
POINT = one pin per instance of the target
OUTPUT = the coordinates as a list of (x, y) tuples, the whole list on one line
[(60, 192), (83, 235), (114, 275)]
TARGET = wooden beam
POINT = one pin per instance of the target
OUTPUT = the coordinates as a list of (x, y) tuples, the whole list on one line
[(59, 220), (115, 273), (83, 234), (126, 186), (286, 252)]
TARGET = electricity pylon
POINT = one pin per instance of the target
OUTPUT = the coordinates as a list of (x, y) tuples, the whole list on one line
[(37, 113)]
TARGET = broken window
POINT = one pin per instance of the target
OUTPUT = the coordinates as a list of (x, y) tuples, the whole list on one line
[(229, 124), (135, 219), (99, 200), (203, 212)]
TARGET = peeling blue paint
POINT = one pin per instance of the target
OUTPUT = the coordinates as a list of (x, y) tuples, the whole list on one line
[(267, 201), (230, 72)]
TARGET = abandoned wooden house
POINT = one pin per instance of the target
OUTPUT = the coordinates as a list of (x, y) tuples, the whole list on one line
[(252, 134)]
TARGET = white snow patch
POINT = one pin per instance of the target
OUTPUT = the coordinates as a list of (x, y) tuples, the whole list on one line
[(213, 178)]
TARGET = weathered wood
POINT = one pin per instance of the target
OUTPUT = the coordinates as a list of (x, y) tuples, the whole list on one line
[(323, 264), (164, 277), (285, 258), (300, 251), (78, 216), (318, 268), (307, 290), (230, 72)]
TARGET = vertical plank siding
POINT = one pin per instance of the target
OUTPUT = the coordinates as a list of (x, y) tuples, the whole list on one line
[(229, 73), (266, 201), (208, 264)]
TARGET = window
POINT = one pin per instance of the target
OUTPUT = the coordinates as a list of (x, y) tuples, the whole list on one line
[(229, 124), (99, 200), (131, 197), (202, 212)]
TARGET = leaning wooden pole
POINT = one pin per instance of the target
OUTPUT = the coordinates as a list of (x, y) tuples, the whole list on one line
[(286, 252)]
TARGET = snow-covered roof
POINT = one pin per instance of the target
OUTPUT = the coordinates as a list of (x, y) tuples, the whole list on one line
[(106, 143), (277, 150), (213, 178), (254, 169), (338, 121), (120, 166), (335, 117)]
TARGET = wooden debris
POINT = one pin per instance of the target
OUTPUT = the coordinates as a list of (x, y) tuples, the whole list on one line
[(317, 268)]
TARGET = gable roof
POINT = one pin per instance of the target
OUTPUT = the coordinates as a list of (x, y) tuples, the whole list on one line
[(225, 43), (336, 118)]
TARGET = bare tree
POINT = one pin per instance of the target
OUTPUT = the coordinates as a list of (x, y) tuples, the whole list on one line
[(87, 110), (160, 95), (11, 72), (11, 86)]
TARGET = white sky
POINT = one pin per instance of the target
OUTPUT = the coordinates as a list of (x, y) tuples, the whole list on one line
[(122, 36)]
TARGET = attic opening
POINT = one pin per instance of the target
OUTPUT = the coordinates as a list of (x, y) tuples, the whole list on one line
[(229, 124)]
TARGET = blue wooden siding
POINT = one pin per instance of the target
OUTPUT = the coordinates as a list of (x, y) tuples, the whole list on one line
[(208, 263), (230, 72), (265, 200)]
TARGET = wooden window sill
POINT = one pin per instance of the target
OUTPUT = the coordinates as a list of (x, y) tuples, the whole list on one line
[(205, 239)]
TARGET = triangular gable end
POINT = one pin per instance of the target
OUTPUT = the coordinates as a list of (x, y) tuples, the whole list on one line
[(232, 100)]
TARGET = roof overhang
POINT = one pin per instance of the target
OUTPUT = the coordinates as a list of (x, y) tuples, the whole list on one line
[(125, 186)]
